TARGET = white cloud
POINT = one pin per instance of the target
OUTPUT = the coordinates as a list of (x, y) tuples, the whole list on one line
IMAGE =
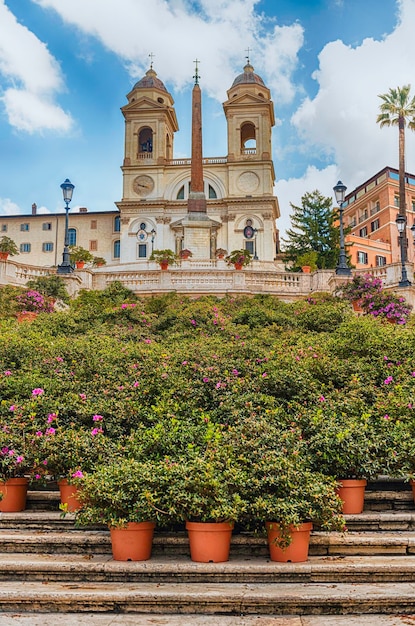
[(218, 32), (34, 76), (341, 119), (8, 207)]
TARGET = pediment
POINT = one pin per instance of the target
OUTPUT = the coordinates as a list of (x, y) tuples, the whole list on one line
[(247, 99), (145, 104)]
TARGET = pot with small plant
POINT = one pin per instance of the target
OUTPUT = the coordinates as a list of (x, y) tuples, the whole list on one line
[(127, 495), (98, 261), (239, 258), (80, 256), (164, 258), (220, 253), (7, 248), (185, 254)]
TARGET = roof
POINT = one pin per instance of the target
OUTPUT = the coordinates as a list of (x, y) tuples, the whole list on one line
[(150, 81), (248, 76)]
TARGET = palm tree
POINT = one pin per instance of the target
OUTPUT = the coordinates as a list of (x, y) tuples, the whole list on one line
[(398, 109)]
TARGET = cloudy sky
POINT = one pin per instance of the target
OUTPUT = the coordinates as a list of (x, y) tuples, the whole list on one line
[(67, 65)]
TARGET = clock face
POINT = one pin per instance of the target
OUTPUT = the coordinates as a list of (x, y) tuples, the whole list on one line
[(248, 182), (143, 185)]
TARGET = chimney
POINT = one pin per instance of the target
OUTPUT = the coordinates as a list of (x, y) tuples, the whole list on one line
[(83, 209), (34, 208)]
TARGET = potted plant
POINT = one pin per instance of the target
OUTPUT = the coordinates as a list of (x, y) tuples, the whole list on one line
[(7, 248), (361, 288), (80, 256), (98, 261), (52, 287), (239, 258), (163, 257), (70, 453), (127, 496), (17, 460), (308, 261), (220, 253), (280, 490), (185, 254), (30, 303)]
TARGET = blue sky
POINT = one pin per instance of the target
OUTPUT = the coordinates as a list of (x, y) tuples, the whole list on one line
[(67, 65)]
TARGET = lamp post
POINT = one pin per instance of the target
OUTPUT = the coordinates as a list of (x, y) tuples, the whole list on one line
[(255, 247), (401, 224), (153, 236), (65, 267), (342, 268)]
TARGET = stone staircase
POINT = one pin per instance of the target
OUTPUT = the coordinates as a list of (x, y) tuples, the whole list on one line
[(47, 565)]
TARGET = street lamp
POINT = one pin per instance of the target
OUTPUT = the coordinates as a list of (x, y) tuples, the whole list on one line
[(153, 236), (401, 224), (65, 267), (342, 268)]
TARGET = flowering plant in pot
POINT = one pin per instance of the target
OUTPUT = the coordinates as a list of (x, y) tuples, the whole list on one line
[(360, 287), (98, 261), (239, 258), (31, 301), (185, 253), (163, 257), (80, 256), (220, 253)]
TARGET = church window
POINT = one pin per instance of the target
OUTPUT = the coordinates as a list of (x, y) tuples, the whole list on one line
[(72, 236), (249, 245), (142, 250), (212, 192), (116, 249), (117, 224), (145, 141), (143, 226), (248, 138), (180, 193)]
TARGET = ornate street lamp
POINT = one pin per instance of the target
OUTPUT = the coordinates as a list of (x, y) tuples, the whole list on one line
[(401, 224), (342, 268), (65, 267)]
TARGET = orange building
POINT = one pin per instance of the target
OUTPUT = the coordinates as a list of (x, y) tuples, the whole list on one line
[(370, 212)]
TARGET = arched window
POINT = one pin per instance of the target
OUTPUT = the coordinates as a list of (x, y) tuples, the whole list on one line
[(72, 236), (145, 141), (116, 249), (117, 224), (184, 191), (248, 138), (212, 192), (180, 194)]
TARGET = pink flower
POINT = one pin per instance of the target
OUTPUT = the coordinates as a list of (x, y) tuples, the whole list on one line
[(235, 372), (51, 417), (136, 384), (7, 373), (59, 359), (97, 418), (77, 474), (19, 459), (205, 379), (193, 322), (82, 396), (39, 433), (218, 385), (147, 340), (124, 306), (388, 380), (322, 399), (413, 374), (96, 431), (50, 431), (184, 362), (386, 417), (264, 375), (37, 392), (12, 408)]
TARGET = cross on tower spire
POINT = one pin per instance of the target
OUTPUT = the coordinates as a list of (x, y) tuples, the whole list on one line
[(196, 76), (151, 55), (248, 50)]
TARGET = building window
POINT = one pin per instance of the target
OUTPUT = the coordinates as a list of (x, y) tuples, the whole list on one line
[(248, 138), (352, 221), (380, 261), (374, 225), (117, 249), (4, 228), (24, 227), (93, 245), (142, 250), (212, 192), (46, 226), (249, 245), (363, 232), (413, 205), (117, 224), (145, 141), (362, 258), (93, 224), (47, 246), (72, 236), (25, 247), (396, 201)]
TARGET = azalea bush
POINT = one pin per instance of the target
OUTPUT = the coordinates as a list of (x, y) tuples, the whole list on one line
[(34, 301)]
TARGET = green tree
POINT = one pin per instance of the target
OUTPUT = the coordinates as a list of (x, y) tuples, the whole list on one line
[(398, 109), (313, 228)]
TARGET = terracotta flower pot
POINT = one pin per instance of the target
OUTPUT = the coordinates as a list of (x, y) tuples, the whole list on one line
[(209, 542), (352, 492), (4, 256), (14, 492), (306, 269), (297, 551), (26, 316), (238, 266), (164, 265), (356, 306), (132, 542), (69, 495), (80, 264)]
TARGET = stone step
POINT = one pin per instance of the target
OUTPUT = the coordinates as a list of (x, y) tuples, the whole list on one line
[(209, 599), (375, 500), (90, 542), (51, 568)]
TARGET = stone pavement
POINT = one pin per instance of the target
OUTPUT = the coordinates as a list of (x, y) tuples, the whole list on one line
[(112, 619)]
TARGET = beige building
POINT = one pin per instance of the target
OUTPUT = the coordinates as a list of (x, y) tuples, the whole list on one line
[(240, 208)]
